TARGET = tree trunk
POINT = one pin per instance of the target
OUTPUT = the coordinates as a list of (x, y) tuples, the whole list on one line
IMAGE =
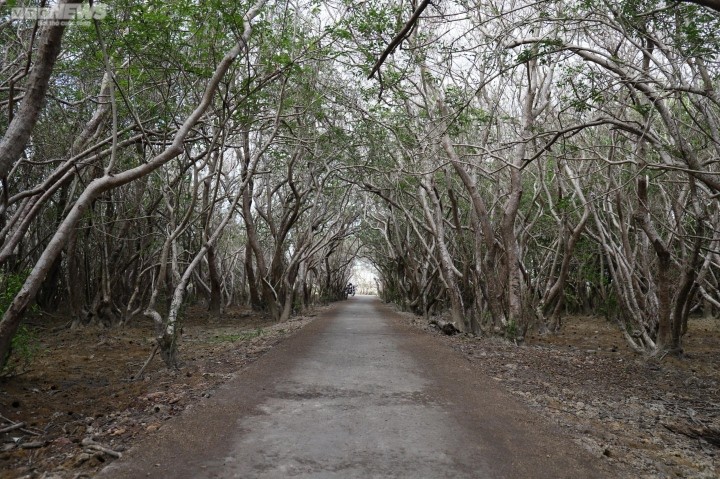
[(255, 301), (664, 296), (14, 313), (215, 301), (18, 132)]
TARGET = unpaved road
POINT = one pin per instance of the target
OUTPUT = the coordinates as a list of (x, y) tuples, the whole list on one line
[(357, 394)]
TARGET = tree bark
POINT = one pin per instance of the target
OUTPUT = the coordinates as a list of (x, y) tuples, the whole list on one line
[(14, 314), (215, 301), (18, 132)]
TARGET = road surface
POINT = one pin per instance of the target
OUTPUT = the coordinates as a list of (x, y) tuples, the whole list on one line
[(359, 394)]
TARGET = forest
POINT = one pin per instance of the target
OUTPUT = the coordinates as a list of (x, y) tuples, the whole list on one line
[(502, 164), (172, 171)]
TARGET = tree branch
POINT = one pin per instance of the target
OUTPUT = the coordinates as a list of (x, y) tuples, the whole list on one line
[(395, 42)]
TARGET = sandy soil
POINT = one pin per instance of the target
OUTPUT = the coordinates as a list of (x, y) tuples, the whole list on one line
[(656, 418), (81, 405)]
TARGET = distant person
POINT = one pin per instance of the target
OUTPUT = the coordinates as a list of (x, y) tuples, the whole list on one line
[(350, 289)]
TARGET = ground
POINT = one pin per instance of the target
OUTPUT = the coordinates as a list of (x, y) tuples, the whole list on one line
[(81, 405), (357, 394), (80, 401), (649, 415)]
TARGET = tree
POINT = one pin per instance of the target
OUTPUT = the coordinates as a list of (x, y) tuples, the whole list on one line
[(13, 315)]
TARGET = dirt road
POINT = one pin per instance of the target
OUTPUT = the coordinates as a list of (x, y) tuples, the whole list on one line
[(357, 395)]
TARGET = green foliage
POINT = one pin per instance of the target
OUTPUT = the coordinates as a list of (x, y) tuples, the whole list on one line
[(582, 88), (10, 285), (610, 308), (539, 50), (564, 204), (466, 116), (25, 343), (692, 29), (511, 330), (24, 348)]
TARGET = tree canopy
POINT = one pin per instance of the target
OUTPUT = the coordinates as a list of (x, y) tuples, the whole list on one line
[(504, 163)]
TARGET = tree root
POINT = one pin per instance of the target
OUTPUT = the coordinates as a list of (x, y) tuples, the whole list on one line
[(445, 326), (140, 373), (92, 446)]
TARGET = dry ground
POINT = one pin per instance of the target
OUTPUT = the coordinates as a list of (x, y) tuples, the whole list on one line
[(647, 415), (81, 405)]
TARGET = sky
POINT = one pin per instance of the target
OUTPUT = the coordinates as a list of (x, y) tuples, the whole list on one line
[(363, 277)]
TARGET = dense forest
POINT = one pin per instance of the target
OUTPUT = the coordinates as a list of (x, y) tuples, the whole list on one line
[(502, 163)]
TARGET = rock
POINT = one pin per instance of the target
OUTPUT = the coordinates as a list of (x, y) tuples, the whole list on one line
[(159, 408), (152, 427), (591, 446), (82, 458), (154, 396)]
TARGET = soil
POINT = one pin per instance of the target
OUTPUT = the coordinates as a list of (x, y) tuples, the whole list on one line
[(655, 417), (357, 394), (79, 402), (80, 405)]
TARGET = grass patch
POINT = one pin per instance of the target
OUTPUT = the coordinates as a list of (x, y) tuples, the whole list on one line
[(24, 347)]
